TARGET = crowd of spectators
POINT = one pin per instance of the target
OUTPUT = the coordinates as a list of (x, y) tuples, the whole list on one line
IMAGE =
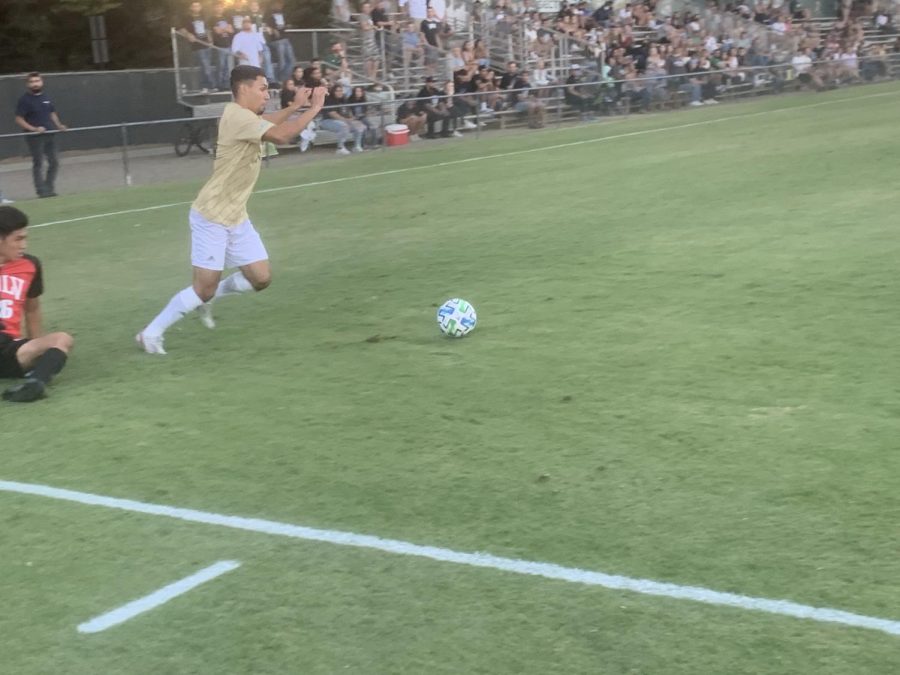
[(242, 33), (631, 52), (596, 57)]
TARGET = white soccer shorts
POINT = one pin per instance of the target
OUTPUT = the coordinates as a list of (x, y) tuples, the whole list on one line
[(215, 247)]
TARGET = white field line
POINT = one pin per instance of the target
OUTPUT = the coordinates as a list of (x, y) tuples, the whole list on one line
[(479, 158), (547, 570), (157, 598)]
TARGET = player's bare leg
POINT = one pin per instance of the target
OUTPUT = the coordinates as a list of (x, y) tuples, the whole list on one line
[(41, 359), (253, 277), (185, 301)]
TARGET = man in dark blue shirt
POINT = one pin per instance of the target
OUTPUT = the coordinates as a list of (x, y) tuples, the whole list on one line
[(36, 114)]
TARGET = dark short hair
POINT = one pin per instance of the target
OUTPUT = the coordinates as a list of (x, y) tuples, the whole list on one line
[(32, 74), (243, 74), (11, 220)]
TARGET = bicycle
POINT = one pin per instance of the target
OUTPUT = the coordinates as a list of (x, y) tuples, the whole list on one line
[(199, 133)]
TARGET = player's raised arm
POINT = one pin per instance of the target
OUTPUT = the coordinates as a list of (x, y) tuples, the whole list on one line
[(286, 129)]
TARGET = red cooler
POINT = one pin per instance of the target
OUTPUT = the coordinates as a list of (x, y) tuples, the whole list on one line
[(396, 134)]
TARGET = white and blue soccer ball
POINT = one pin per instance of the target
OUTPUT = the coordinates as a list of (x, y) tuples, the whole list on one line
[(456, 318)]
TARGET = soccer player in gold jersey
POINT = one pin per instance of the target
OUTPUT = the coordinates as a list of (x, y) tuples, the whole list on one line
[(222, 235)]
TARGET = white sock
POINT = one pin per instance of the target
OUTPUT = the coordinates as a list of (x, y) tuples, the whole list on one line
[(183, 302), (236, 283)]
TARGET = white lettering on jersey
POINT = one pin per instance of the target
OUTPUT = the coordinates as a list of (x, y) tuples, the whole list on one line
[(13, 286)]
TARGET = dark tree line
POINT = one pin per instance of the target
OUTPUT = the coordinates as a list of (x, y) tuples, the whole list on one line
[(54, 35)]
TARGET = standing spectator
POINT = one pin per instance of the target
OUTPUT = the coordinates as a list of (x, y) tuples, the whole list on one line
[(197, 32), (382, 20), (431, 29), (247, 45), (222, 31), (36, 114), (338, 119), (259, 26), (371, 52), (280, 45), (417, 9), (239, 12)]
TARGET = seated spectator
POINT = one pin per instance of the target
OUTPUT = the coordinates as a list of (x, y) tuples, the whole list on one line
[(288, 92), (803, 68), (411, 41), (337, 118), (359, 108), (541, 76), (455, 107), (577, 95), (482, 55), (490, 99), (408, 113), (510, 76), (524, 101), (335, 63), (432, 102)]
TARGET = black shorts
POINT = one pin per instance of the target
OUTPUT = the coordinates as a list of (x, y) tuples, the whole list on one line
[(9, 364)]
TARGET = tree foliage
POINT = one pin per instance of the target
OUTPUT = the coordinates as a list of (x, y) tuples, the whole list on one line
[(54, 35)]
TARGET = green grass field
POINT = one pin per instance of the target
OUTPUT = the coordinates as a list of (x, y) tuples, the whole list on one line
[(685, 370)]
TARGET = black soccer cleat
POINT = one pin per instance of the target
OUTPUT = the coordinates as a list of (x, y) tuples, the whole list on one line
[(30, 390)]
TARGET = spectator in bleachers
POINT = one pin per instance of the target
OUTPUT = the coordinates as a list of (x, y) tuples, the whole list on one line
[(411, 41), (279, 44), (247, 45), (523, 100), (433, 104), (371, 51), (381, 19), (541, 75), (482, 55), (238, 13), (417, 10), (337, 118), (334, 65), (490, 99), (431, 30), (259, 26), (196, 30), (510, 76), (360, 109), (454, 106), (222, 32), (577, 95), (409, 114), (806, 73)]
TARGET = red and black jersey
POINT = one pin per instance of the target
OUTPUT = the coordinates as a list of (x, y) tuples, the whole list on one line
[(20, 279)]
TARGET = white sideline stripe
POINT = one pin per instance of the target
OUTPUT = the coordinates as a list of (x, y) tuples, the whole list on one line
[(157, 598), (547, 570), (479, 158)]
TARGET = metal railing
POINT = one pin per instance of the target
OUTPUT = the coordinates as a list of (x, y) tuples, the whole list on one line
[(143, 152)]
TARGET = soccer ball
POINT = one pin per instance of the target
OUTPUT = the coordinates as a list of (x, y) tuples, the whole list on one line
[(456, 318)]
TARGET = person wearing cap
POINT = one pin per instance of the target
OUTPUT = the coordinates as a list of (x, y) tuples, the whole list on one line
[(576, 95), (432, 104)]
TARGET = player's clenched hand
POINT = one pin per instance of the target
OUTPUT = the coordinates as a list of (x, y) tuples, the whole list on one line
[(317, 99), (301, 98)]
